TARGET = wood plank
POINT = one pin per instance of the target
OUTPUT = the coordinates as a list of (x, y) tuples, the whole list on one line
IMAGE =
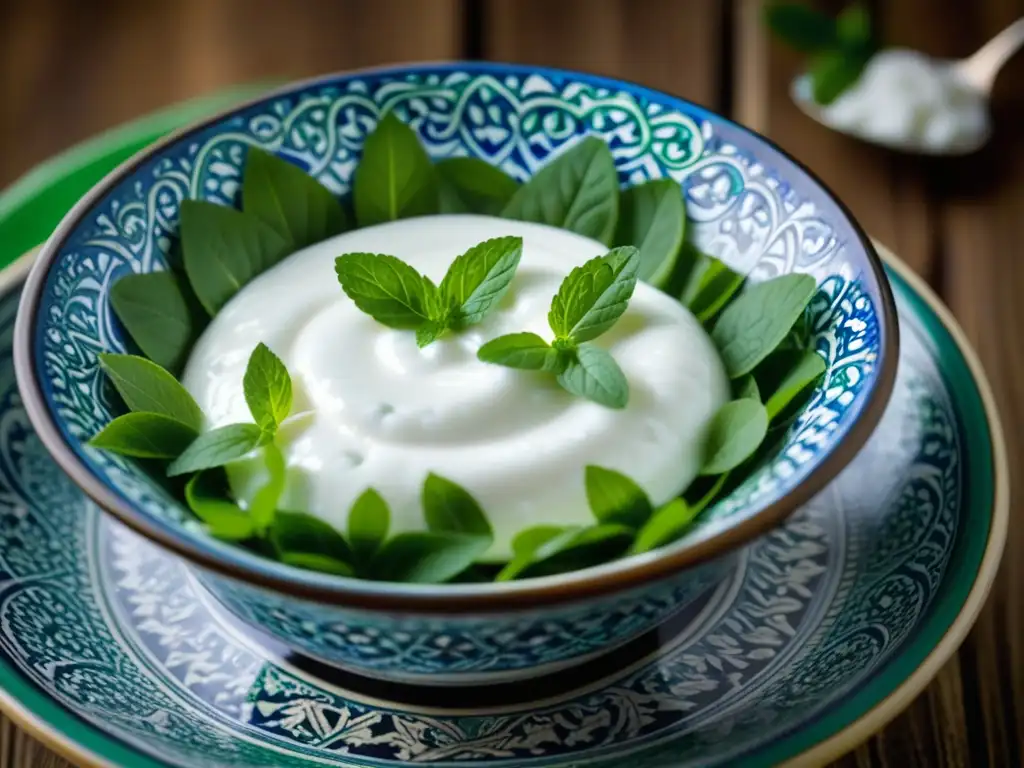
[(671, 45)]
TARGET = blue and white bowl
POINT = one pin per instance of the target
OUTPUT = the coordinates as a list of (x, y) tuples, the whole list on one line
[(749, 204)]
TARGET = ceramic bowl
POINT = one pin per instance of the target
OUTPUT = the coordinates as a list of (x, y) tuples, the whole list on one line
[(749, 204)]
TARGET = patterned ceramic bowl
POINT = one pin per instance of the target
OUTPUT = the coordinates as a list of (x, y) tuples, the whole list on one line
[(750, 205)]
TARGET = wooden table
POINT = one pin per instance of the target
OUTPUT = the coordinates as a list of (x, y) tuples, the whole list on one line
[(69, 69)]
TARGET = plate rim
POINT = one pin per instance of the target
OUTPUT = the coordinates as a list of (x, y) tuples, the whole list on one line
[(832, 747)]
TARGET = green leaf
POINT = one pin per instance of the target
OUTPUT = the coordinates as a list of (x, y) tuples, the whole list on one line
[(594, 374), (526, 351), (593, 296), (386, 288), (268, 388), (430, 332), (802, 28), (833, 72), (615, 498), (713, 289), (478, 279), (754, 324), (224, 249), (207, 496), (217, 448), (264, 501), (299, 208), (653, 218), (395, 178), (145, 386), (665, 526), (471, 185), (578, 191), (154, 310), (789, 375), (427, 557), (735, 432), (299, 533), (704, 490), (578, 548), (368, 523), (448, 507), (853, 27), (528, 540), (311, 561), (145, 436), (746, 388)]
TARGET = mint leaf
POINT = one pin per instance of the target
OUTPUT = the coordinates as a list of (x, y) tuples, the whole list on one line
[(145, 386), (802, 28), (615, 498), (665, 526), (268, 388), (578, 191), (712, 285), (368, 523), (448, 507), (735, 432), (833, 72), (264, 502), (156, 313), (144, 436), (224, 249), (207, 496), (759, 319), (216, 448), (853, 27), (746, 388), (478, 279), (299, 208), (395, 178), (300, 539), (386, 288), (593, 296), (786, 375), (527, 541), (427, 557), (575, 549), (430, 332), (703, 491), (593, 373), (652, 217), (526, 351), (471, 185)]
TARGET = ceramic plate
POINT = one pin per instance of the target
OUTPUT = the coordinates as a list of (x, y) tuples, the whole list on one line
[(111, 652)]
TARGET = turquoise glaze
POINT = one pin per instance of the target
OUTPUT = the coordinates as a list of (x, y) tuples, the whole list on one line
[(749, 204)]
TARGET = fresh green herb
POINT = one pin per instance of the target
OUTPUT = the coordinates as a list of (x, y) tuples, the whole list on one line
[(206, 495), (306, 541), (615, 498), (526, 351), (144, 436), (758, 319), (471, 185), (427, 557), (386, 288), (215, 448), (801, 27), (593, 296), (145, 386), (736, 431), (791, 372), (746, 388), (395, 179), (430, 332), (296, 205), (478, 279), (653, 218), (528, 540), (264, 503), (834, 72), (572, 550), (224, 249), (368, 523), (578, 191), (268, 389), (664, 526), (711, 287), (154, 310), (593, 373), (704, 490), (449, 508)]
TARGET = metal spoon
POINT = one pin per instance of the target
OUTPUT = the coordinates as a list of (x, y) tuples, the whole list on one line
[(976, 73)]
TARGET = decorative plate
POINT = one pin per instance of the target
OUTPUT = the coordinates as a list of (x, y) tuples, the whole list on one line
[(111, 652)]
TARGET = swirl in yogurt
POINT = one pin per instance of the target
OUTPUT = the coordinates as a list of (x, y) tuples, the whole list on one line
[(374, 410)]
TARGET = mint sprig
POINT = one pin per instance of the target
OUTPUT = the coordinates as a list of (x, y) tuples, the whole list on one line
[(396, 295), (589, 302)]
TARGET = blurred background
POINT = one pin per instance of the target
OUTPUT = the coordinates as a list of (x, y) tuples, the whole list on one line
[(72, 68)]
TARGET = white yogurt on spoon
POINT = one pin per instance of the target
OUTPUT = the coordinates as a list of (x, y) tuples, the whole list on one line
[(380, 412)]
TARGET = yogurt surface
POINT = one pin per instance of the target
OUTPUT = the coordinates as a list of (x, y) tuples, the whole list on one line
[(371, 409)]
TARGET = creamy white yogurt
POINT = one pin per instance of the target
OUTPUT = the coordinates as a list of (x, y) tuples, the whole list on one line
[(374, 410), (908, 99)]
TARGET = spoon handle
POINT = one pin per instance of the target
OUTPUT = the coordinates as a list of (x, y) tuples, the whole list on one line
[(980, 70)]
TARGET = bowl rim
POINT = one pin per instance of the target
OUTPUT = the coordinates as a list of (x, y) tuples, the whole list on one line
[(617, 576)]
